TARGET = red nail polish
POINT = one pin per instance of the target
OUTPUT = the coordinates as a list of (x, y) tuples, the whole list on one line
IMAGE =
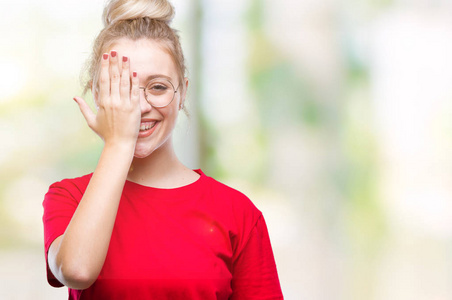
[(125, 58), (105, 56), (113, 53), (134, 74)]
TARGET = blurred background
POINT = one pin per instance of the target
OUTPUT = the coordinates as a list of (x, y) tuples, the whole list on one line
[(333, 116)]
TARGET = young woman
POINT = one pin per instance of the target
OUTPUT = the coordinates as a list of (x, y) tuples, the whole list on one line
[(142, 225)]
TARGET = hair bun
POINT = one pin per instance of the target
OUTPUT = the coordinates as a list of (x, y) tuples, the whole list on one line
[(121, 10)]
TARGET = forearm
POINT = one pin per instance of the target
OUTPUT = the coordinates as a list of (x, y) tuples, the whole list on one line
[(83, 247)]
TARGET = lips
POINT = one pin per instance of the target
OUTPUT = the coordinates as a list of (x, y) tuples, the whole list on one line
[(147, 127)]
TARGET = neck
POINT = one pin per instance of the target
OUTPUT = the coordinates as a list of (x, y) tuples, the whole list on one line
[(160, 169)]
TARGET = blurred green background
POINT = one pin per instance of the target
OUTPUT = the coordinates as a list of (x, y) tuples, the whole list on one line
[(333, 116)]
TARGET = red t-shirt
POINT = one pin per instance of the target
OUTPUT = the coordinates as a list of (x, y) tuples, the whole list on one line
[(200, 241)]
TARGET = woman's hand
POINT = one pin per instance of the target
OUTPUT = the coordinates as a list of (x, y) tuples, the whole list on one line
[(118, 118), (76, 257)]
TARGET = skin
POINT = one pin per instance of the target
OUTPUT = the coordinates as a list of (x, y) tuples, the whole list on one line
[(76, 257)]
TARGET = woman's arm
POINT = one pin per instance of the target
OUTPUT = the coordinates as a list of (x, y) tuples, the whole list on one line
[(254, 270), (76, 257)]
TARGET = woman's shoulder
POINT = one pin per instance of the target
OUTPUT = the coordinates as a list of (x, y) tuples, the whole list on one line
[(232, 197), (218, 186), (236, 209), (74, 180), (76, 183)]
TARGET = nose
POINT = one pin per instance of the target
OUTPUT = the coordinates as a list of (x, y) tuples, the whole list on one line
[(145, 107)]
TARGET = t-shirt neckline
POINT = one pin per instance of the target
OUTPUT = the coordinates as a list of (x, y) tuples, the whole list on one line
[(169, 191)]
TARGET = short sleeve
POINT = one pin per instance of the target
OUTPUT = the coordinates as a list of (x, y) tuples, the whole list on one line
[(254, 270), (59, 205)]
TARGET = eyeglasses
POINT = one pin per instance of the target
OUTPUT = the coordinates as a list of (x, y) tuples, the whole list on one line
[(159, 92)]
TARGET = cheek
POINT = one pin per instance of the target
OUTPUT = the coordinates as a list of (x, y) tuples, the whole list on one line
[(172, 112)]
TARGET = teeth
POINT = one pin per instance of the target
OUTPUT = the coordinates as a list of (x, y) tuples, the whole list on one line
[(147, 125)]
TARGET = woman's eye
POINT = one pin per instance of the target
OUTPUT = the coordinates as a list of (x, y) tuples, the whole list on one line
[(159, 87)]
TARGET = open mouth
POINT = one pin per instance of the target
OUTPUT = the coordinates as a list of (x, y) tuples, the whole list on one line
[(147, 125), (147, 128)]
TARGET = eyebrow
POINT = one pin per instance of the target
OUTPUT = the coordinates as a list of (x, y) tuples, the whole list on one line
[(150, 77)]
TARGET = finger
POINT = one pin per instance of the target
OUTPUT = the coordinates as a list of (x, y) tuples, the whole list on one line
[(114, 76), (104, 79), (125, 80), (135, 92), (87, 113)]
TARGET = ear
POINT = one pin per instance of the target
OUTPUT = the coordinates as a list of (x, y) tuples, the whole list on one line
[(183, 94)]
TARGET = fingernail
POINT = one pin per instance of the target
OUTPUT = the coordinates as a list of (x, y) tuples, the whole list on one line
[(134, 74), (75, 99), (113, 53), (105, 56), (125, 58)]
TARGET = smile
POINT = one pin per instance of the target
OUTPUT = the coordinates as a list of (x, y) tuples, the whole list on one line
[(147, 128), (147, 125)]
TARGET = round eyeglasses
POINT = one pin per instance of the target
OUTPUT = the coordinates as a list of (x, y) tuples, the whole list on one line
[(159, 92)]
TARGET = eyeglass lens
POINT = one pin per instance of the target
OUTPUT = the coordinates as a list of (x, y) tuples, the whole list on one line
[(159, 92)]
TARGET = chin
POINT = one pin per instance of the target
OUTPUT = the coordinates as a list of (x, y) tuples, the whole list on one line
[(139, 155), (142, 153), (145, 148)]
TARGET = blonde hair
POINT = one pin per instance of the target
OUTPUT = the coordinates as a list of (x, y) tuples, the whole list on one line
[(135, 19)]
